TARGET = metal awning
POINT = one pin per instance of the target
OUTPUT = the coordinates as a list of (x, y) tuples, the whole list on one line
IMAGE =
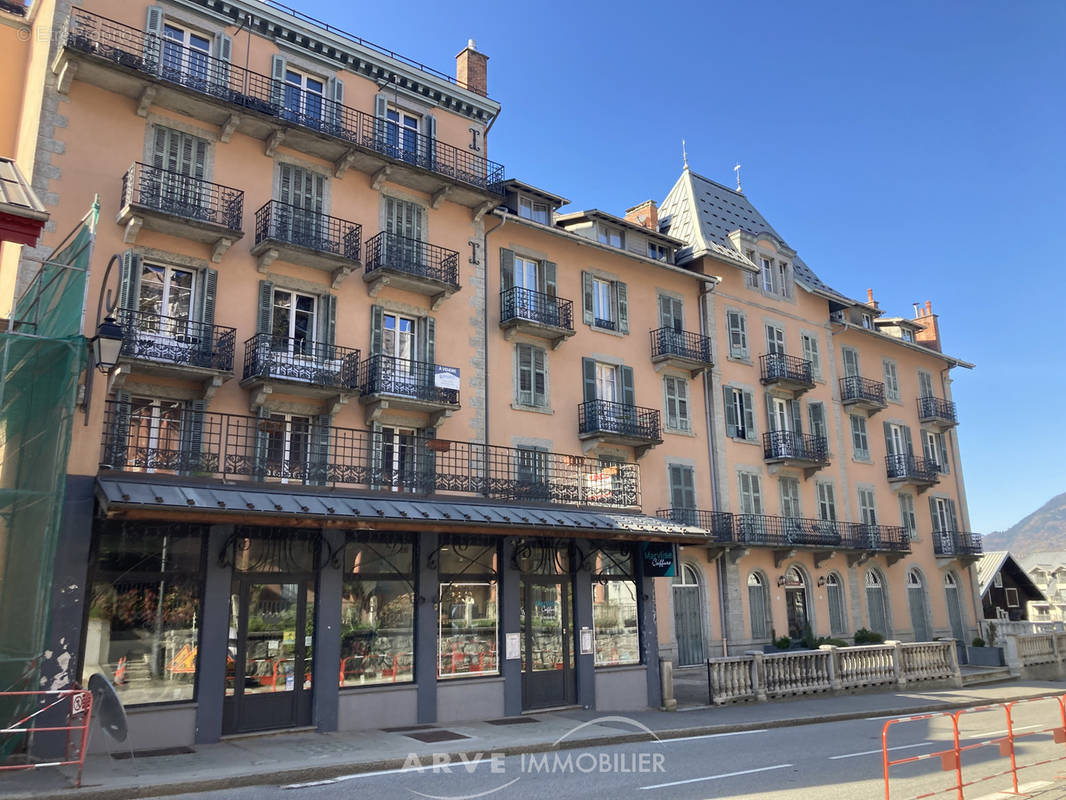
[(22, 215), (125, 498)]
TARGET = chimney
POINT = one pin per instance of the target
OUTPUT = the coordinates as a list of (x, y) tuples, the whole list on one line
[(870, 299), (646, 215), (471, 69), (929, 335)]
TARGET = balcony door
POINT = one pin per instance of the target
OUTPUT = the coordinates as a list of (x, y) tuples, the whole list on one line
[(781, 423), (305, 98), (851, 362), (671, 322), (163, 324), (944, 524), (527, 283), (186, 56), (155, 434), (401, 134), (399, 346), (607, 382), (399, 459), (405, 224), (288, 447), (300, 218), (293, 327), (176, 186), (775, 340)]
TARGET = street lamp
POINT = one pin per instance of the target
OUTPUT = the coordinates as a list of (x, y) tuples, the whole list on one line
[(106, 344)]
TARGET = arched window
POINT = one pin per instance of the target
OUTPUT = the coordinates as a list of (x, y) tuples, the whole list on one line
[(687, 576), (917, 605), (876, 607), (834, 592), (951, 591), (758, 606)]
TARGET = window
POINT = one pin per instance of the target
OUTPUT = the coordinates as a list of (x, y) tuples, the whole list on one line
[(532, 376), (682, 487), (186, 55), (658, 251), (610, 236), (677, 417), (1012, 596), (891, 380), (908, 334), (671, 313), (144, 611), (739, 414), (790, 497), (810, 353), (182, 163), (293, 322), (933, 448), (304, 96), (767, 275), (925, 384), (997, 581), (867, 321), (377, 610), (945, 519), (738, 334), (287, 446), (155, 440), (602, 306), (758, 606), (783, 283), (531, 468), (775, 340), (867, 506), (538, 212), (606, 303), (751, 279), (750, 493), (398, 455), (851, 362), (607, 382), (860, 442), (834, 590), (827, 506), (614, 607), (876, 607), (907, 516), (398, 338), (164, 292), (406, 219), (468, 619), (401, 132), (816, 414)]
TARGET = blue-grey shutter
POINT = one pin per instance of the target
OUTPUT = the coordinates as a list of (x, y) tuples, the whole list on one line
[(336, 113), (429, 338), (327, 322), (953, 515), (588, 371), (427, 462), (207, 301), (771, 423), (622, 300), (266, 303), (260, 441), (224, 53), (907, 440), (933, 515), (129, 281), (889, 447), (153, 41), (319, 466), (730, 411), (835, 595), (430, 142), (628, 393), (945, 464), (757, 608), (381, 107), (506, 269), (748, 401), (375, 449), (586, 295), (548, 272), (118, 431), (797, 418), (277, 84), (376, 324), (193, 438)]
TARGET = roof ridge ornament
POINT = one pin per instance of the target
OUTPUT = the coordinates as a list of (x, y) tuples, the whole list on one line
[(736, 169), (684, 154)]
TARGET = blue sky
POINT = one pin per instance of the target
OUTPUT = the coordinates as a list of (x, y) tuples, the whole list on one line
[(913, 147)]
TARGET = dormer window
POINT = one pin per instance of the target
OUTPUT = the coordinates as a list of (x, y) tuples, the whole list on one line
[(611, 236), (658, 252), (538, 212), (867, 321), (908, 335)]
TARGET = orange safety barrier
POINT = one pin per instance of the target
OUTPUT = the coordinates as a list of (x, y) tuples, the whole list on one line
[(1057, 731), (948, 758), (81, 705)]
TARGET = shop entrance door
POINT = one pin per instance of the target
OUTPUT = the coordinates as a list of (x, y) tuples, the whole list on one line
[(547, 642), (268, 663)]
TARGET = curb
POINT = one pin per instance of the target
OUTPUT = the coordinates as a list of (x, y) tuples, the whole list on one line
[(333, 771)]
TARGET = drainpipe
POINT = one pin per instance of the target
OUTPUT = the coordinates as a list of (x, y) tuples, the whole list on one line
[(485, 304)]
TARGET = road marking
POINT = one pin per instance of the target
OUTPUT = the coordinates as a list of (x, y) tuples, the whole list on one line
[(339, 778), (998, 733), (879, 750), (710, 736), (715, 777)]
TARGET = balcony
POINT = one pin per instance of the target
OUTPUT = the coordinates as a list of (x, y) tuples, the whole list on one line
[(308, 238), (606, 422), (399, 383), (681, 349), (178, 348), (153, 72), (957, 544), (906, 469), (235, 448), (298, 366), (786, 372), (786, 534), (411, 264), (718, 523), (862, 393), (789, 448), (891, 540), (937, 413), (536, 314), (168, 202)]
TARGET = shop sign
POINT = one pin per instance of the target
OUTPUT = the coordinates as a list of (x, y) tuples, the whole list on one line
[(659, 559)]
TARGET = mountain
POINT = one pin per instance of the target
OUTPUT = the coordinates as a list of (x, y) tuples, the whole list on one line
[(1044, 529)]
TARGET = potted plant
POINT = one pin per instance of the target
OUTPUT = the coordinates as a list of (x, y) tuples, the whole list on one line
[(980, 655)]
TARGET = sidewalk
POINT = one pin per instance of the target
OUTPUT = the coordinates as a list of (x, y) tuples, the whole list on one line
[(309, 756)]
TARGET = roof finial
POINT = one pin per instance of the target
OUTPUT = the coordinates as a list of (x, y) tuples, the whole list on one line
[(736, 169), (684, 154)]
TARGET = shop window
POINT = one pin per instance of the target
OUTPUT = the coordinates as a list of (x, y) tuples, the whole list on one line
[(144, 612), (614, 607), (377, 610), (468, 635)]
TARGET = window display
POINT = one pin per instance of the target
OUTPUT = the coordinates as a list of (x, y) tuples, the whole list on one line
[(614, 608), (467, 642)]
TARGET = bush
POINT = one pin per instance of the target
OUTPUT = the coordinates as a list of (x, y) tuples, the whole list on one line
[(784, 643), (830, 640), (978, 642), (864, 636)]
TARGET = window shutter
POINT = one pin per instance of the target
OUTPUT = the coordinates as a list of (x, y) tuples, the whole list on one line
[(729, 402), (429, 337), (129, 281), (797, 417), (427, 463), (318, 471), (586, 293), (375, 450), (672, 416), (337, 95), (277, 86), (547, 272), (540, 378), (261, 442), (749, 416), (933, 515), (153, 42), (159, 147), (224, 53), (119, 432), (689, 483), (192, 431), (926, 443), (506, 269), (524, 357), (628, 393), (377, 314), (666, 318), (952, 516), (945, 465), (327, 324), (588, 369), (907, 440), (381, 105), (771, 423), (889, 447), (622, 300), (851, 363), (207, 298), (430, 142), (266, 302)]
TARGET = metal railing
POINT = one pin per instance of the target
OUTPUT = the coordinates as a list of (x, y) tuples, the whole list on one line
[(957, 543), (171, 340), (314, 230), (520, 303), (232, 446), (403, 377), (718, 523), (683, 344), (604, 416), (906, 467), (934, 408), (855, 387), (183, 196), (781, 367), (270, 357), (150, 54), (800, 446), (870, 536), (412, 257)]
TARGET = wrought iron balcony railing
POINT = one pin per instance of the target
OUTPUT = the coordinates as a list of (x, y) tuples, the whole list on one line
[(780, 367), (905, 467), (228, 446), (870, 536), (934, 408), (403, 377), (520, 303), (718, 523), (682, 344), (413, 257), (798, 446), (957, 543), (181, 342), (269, 357), (761, 529), (183, 196), (168, 61), (855, 388), (619, 419), (286, 223)]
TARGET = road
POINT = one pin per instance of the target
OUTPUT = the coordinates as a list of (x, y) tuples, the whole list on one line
[(830, 761)]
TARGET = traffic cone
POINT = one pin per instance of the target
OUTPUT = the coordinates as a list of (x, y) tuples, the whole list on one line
[(120, 672)]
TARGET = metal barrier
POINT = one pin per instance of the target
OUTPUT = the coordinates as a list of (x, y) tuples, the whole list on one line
[(949, 759), (81, 705)]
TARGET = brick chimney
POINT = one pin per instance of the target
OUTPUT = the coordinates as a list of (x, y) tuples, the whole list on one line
[(929, 335), (870, 299), (646, 215), (471, 69)]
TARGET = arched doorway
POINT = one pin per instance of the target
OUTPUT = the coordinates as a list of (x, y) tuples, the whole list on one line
[(919, 610), (951, 590), (796, 603), (834, 593), (758, 606), (876, 607), (688, 616)]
